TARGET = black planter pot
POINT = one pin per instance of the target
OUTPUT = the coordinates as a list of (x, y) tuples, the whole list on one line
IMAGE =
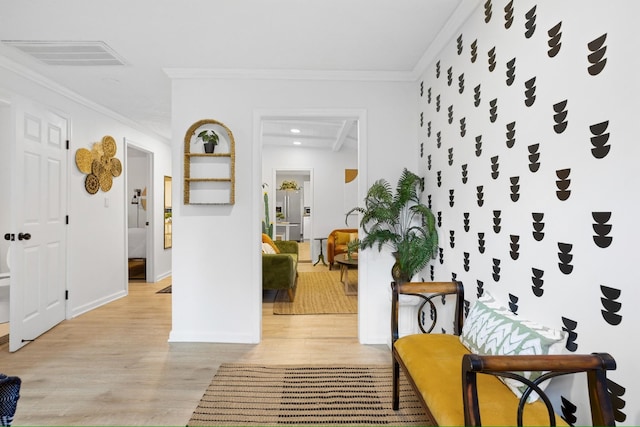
[(209, 147)]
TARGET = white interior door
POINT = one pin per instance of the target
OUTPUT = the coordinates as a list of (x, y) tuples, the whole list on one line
[(39, 200)]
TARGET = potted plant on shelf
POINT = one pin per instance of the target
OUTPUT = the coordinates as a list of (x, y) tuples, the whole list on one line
[(400, 221), (210, 139)]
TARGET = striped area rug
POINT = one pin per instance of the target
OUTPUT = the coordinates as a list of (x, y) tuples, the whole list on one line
[(242, 394)]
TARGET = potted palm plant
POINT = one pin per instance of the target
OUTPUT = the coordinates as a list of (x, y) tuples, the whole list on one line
[(400, 221)]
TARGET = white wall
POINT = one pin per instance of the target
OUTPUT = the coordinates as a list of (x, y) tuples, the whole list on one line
[(216, 275), (5, 179), (328, 183), (97, 267), (591, 291)]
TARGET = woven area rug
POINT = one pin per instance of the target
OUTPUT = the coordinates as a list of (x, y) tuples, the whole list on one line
[(248, 395), (318, 293)]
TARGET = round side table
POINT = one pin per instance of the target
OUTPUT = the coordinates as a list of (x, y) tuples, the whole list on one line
[(321, 255)]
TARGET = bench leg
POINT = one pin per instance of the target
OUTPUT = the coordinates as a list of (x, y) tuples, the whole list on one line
[(291, 294), (396, 385)]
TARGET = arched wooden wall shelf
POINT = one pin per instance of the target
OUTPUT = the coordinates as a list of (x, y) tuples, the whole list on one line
[(209, 178)]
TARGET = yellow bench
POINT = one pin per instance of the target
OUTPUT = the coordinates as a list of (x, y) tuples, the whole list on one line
[(444, 373)]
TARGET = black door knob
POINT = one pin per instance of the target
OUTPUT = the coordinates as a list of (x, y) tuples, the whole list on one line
[(24, 236)]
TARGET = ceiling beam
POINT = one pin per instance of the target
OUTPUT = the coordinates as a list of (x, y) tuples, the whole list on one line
[(344, 131)]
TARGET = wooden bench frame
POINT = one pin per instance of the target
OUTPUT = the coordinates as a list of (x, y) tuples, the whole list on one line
[(595, 365)]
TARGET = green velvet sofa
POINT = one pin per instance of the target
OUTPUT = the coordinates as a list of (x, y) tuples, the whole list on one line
[(280, 271)]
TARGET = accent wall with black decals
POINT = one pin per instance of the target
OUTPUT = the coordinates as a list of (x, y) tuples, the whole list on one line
[(529, 144)]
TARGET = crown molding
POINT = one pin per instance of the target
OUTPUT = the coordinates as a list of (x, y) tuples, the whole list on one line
[(49, 84), (459, 16), (208, 73)]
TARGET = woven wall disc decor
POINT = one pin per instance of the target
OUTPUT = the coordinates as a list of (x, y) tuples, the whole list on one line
[(100, 165)]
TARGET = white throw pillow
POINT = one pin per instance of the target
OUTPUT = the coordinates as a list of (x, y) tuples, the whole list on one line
[(267, 249), (491, 329)]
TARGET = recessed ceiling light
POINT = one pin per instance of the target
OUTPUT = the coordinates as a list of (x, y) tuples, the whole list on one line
[(297, 143), (294, 130)]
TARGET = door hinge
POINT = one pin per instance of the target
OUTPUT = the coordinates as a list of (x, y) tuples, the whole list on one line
[(66, 295), (67, 144)]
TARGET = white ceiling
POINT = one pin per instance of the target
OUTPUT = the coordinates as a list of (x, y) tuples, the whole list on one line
[(377, 38)]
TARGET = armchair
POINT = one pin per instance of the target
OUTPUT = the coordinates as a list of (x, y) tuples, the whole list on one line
[(337, 242)]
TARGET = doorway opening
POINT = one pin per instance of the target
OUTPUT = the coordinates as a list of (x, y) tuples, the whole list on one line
[(138, 202), (309, 151)]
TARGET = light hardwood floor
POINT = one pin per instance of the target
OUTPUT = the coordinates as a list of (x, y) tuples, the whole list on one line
[(114, 366)]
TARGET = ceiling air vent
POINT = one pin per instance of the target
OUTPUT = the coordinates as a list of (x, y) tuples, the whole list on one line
[(83, 54)]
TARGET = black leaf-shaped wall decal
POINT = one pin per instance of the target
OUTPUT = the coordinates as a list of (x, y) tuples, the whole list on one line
[(565, 257), (439, 178), (492, 59), (432, 274), (451, 197), (495, 172), (465, 221), (530, 92), (493, 110), (421, 88), (439, 139), (514, 247), (481, 243), (537, 281), (538, 226), (530, 24), (429, 96), (570, 327), (465, 174), (450, 114), (513, 303), (511, 134), (437, 103), (497, 220), (465, 261), (534, 157), (461, 83), (508, 15), (616, 391), (429, 162), (474, 51), (459, 40), (515, 188), (463, 127), (602, 229), (496, 270), (438, 70), (439, 218), (511, 71), (479, 288), (449, 76), (554, 40), (596, 57), (421, 149), (452, 238), (560, 116), (600, 139), (480, 195), (441, 255), (478, 145), (429, 201), (422, 119), (611, 307), (476, 96), (429, 128), (568, 410), (451, 156), (487, 11), (563, 184)]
